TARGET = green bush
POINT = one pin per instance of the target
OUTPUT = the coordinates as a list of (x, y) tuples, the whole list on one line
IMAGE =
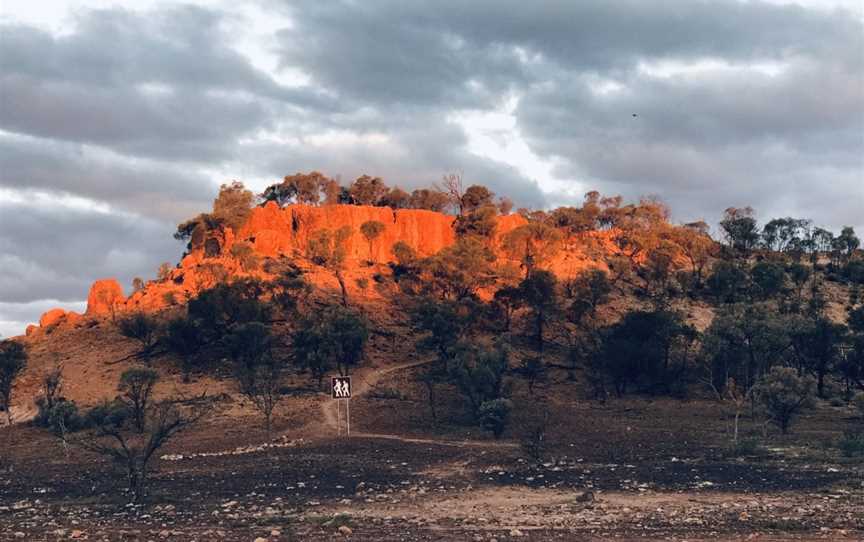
[(107, 413), (851, 444), (494, 415), (784, 395), (61, 417)]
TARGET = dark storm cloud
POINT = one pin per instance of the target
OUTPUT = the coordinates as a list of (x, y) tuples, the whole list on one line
[(164, 84), (424, 53), (152, 189), (131, 108), (409, 147), (55, 252), (721, 137)]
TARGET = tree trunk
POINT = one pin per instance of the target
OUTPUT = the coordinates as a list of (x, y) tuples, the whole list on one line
[(341, 280)]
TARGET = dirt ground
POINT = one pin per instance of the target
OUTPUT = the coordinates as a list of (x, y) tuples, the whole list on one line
[(627, 469)]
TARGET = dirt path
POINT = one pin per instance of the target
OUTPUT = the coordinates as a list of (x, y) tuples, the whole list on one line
[(365, 380)]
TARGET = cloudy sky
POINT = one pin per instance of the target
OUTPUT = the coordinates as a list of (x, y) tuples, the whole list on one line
[(117, 121)]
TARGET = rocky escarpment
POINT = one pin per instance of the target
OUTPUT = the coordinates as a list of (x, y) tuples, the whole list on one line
[(273, 232)]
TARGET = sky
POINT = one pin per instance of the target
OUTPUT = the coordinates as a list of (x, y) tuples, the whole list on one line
[(120, 119)]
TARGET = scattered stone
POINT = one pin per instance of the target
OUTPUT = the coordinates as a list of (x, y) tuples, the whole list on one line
[(345, 530)]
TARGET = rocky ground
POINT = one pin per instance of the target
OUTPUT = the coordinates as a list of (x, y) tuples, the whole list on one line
[(390, 489), (632, 468)]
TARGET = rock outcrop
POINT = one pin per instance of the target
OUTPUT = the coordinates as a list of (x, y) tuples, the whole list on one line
[(52, 318), (274, 232), (106, 296)]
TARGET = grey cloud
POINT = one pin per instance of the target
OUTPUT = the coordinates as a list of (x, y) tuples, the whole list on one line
[(152, 189), (164, 84), (56, 252), (427, 53), (14, 317), (420, 147)]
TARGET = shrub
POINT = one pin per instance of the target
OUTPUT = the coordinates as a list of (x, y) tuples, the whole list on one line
[(142, 328), (851, 444), (859, 403), (113, 413), (13, 358), (60, 417), (784, 395), (745, 447), (494, 415)]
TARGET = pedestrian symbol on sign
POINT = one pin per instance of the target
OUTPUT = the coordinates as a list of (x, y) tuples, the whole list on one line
[(341, 387)]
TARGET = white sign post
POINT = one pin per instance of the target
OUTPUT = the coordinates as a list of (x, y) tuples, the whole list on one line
[(340, 389)]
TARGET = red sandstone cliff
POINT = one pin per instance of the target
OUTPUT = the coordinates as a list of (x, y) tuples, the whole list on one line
[(274, 232)]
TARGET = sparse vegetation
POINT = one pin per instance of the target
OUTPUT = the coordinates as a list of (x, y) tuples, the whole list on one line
[(13, 359)]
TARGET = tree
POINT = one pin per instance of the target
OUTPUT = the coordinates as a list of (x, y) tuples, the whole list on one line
[(290, 291), (368, 190), (584, 295), (233, 205), (334, 338), (697, 246), (739, 228), (218, 309), (327, 249), (533, 245), (459, 270), (137, 284), (478, 371), (508, 299), (726, 281), (475, 197), (13, 359), (505, 205), (742, 343), (650, 347), (739, 397), (371, 230), (534, 370), (184, 338), (135, 450), (396, 198), (494, 415), (303, 188), (784, 395), (164, 271), (817, 345), (784, 234), (479, 222), (539, 291), (769, 279), (452, 187), (136, 388), (143, 328), (257, 371), (430, 200), (847, 242)]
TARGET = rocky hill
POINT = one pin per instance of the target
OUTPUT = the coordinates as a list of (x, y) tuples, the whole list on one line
[(274, 233)]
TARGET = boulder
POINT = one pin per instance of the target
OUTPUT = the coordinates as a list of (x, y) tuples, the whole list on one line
[(106, 295), (52, 318), (73, 318)]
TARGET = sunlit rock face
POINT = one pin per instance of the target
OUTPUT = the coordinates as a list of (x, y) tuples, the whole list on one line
[(274, 233), (106, 295)]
